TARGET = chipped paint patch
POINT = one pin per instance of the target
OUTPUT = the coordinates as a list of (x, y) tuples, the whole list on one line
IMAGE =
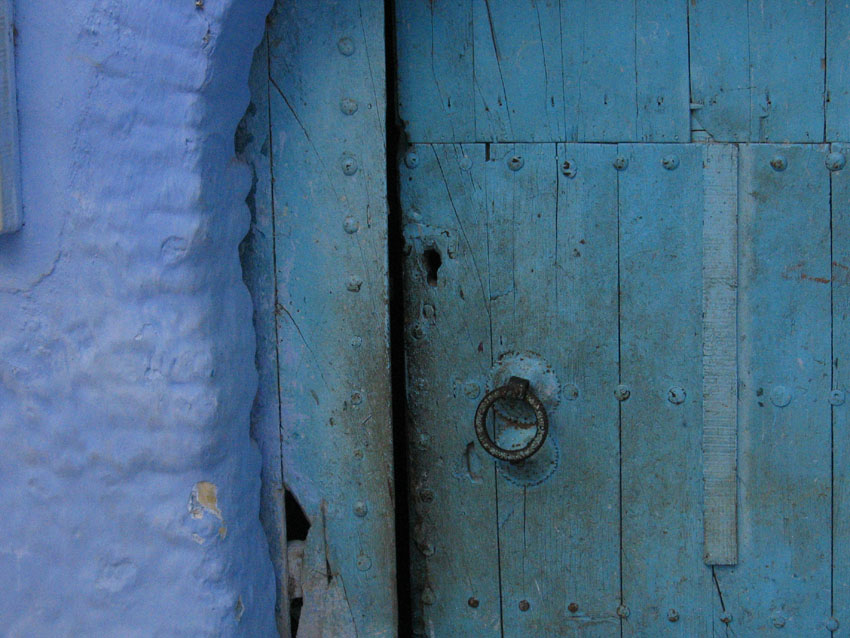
[(204, 497)]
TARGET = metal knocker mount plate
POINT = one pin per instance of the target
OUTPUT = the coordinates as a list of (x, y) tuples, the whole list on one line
[(515, 388)]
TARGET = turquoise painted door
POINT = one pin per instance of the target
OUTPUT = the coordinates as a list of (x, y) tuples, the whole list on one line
[(640, 209)]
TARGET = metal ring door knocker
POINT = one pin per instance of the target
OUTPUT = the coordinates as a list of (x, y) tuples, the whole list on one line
[(515, 388)]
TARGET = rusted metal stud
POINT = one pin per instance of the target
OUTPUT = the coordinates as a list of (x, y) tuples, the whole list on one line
[(573, 608), (676, 395), (673, 615), (670, 162), (465, 163), (426, 495), (350, 225), (345, 45), (623, 611), (835, 161), (472, 390), (568, 168), (726, 617), (428, 311), (348, 106), (356, 342), (411, 159), (620, 163), (428, 597), (836, 397), (622, 392), (516, 162), (349, 164), (472, 602), (779, 163), (426, 548), (356, 398), (524, 605), (416, 331), (780, 396), (360, 509), (353, 283), (364, 562), (778, 620), (570, 392), (832, 624)]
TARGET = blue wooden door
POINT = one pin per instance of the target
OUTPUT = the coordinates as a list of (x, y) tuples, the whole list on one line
[(639, 208)]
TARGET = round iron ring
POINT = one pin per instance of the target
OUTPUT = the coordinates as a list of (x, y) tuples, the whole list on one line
[(515, 388)]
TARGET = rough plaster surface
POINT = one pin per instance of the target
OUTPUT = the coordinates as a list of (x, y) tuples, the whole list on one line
[(128, 479)]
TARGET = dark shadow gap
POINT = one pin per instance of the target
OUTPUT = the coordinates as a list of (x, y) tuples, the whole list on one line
[(395, 246)]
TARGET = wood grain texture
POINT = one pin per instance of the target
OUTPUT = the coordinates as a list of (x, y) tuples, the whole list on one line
[(435, 70), (11, 216), (559, 540), (782, 579), (719, 353), (660, 250), (841, 384), (454, 552), (330, 234)]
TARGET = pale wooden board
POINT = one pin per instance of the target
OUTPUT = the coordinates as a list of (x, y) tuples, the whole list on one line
[(786, 43), (454, 553), (257, 255), (838, 70), (660, 250), (720, 74), (661, 61), (435, 72), (720, 370), (332, 318), (784, 457), (560, 540), (11, 216), (519, 83), (841, 381)]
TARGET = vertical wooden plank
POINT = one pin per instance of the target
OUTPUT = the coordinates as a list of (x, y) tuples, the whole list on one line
[(838, 70), (455, 561), (662, 79), (720, 73), (599, 70), (257, 256), (559, 538), (10, 171), (519, 89), (787, 70), (664, 578), (719, 360), (330, 210), (840, 208), (782, 580), (435, 70)]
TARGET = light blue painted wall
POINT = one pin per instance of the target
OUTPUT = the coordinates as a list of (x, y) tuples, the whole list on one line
[(126, 348)]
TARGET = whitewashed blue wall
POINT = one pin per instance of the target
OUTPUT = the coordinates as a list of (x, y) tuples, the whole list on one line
[(126, 347)]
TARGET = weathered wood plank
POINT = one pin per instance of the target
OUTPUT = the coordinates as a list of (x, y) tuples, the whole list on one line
[(782, 579), (837, 70), (786, 42), (719, 353), (10, 171), (720, 74), (559, 539), (455, 561), (519, 89), (599, 70), (664, 578), (330, 209), (435, 70), (662, 78), (840, 384), (257, 256)]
